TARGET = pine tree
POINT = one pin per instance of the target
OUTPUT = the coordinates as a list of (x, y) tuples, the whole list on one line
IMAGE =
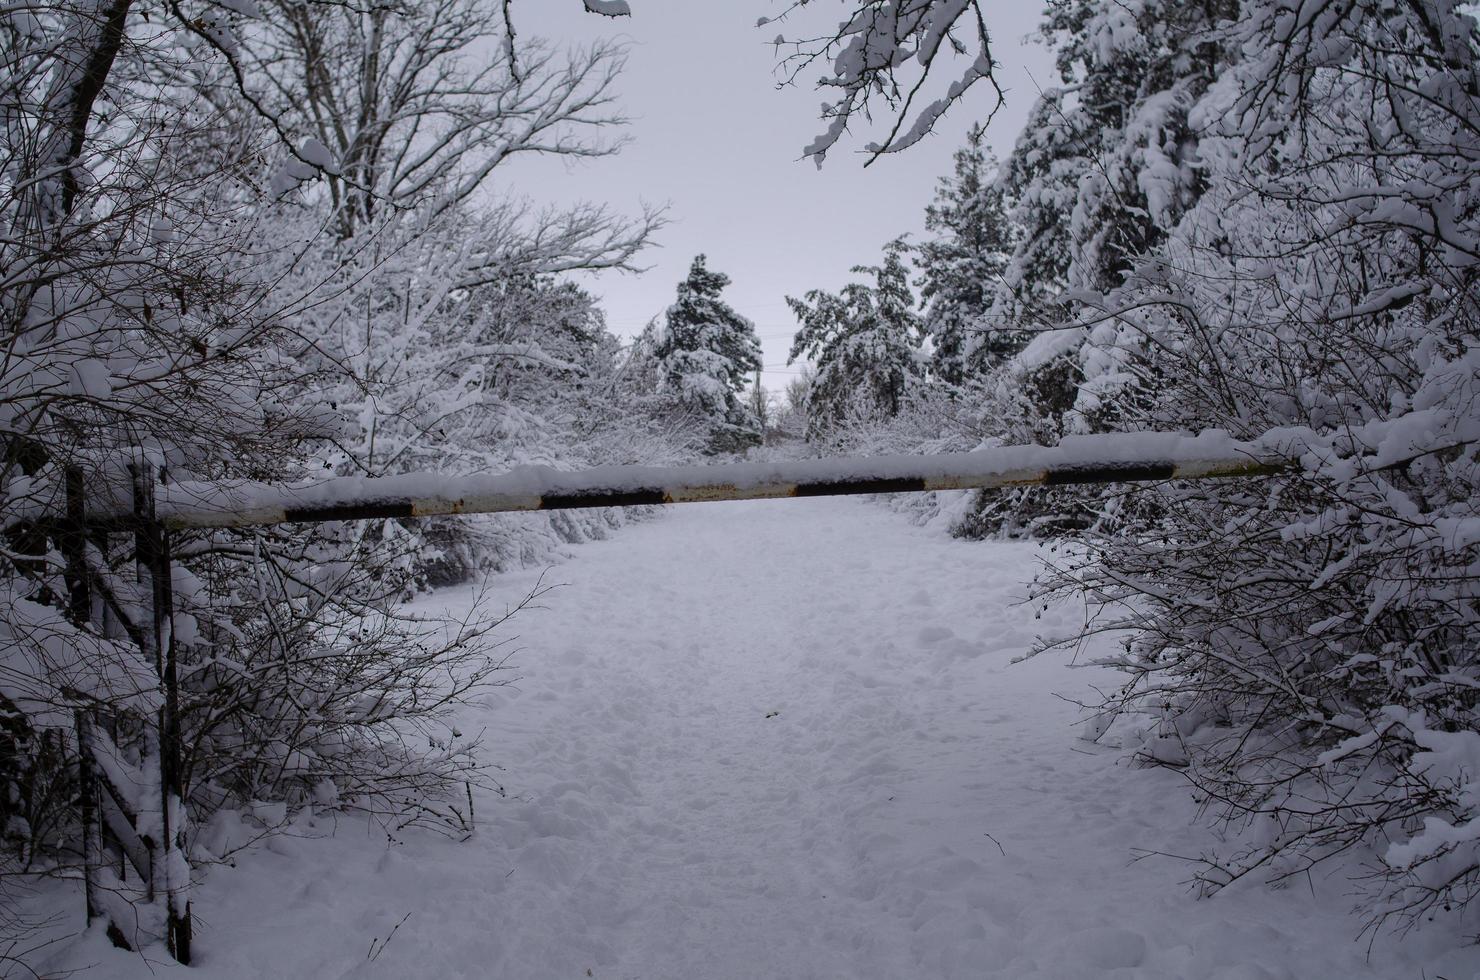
[(864, 341), (1110, 160), (962, 266), (760, 405), (706, 352)]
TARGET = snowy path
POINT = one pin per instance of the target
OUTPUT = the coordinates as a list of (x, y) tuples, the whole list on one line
[(771, 740)]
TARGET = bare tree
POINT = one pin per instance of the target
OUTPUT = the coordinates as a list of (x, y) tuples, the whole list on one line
[(416, 106), (879, 51), (886, 51), (154, 306)]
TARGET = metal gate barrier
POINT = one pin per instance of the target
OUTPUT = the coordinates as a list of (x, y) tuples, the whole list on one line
[(144, 830)]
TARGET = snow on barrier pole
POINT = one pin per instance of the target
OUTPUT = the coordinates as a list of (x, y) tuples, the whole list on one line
[(1091, 459)]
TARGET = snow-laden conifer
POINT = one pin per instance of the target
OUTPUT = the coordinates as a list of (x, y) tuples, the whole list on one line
[(864, 343), (962, 265), (707, 352)]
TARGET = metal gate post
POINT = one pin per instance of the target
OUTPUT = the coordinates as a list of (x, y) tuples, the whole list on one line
[(73, 544), (170, 881)]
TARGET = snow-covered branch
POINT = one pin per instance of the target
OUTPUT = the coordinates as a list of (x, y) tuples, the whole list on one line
[(887, 50)]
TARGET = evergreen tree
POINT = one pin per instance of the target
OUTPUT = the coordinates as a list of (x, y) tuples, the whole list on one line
[(760, 405), (864, 341), (1109, 161), (706, 353), (1104, 166), (963, 265)]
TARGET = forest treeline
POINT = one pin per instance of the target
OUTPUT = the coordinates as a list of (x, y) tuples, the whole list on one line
[(264, 240)]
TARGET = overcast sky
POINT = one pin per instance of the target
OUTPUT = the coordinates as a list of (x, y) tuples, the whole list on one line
[(714, 140)]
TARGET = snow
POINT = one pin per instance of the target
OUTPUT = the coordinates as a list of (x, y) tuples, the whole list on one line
[(316, 153), (1047, 346), (609, 8), (44, 654), (246, 8), (90, 378), (780, 740)]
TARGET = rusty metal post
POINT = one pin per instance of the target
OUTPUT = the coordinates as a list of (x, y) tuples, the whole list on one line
[(73, 544), (169, 881), (87, 805), (72, 541)]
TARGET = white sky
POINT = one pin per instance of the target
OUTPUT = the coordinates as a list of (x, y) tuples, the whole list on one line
[(714, 139)]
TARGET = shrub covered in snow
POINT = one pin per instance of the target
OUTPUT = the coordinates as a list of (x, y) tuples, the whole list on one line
[(864, 342), (259, 245), (1258, 216), (1307, 643)]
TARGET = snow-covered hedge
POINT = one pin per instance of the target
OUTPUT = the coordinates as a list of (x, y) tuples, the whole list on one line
[(1306, 644)]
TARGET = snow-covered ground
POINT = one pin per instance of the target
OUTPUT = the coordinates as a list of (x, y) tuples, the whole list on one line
[(783, 739)]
